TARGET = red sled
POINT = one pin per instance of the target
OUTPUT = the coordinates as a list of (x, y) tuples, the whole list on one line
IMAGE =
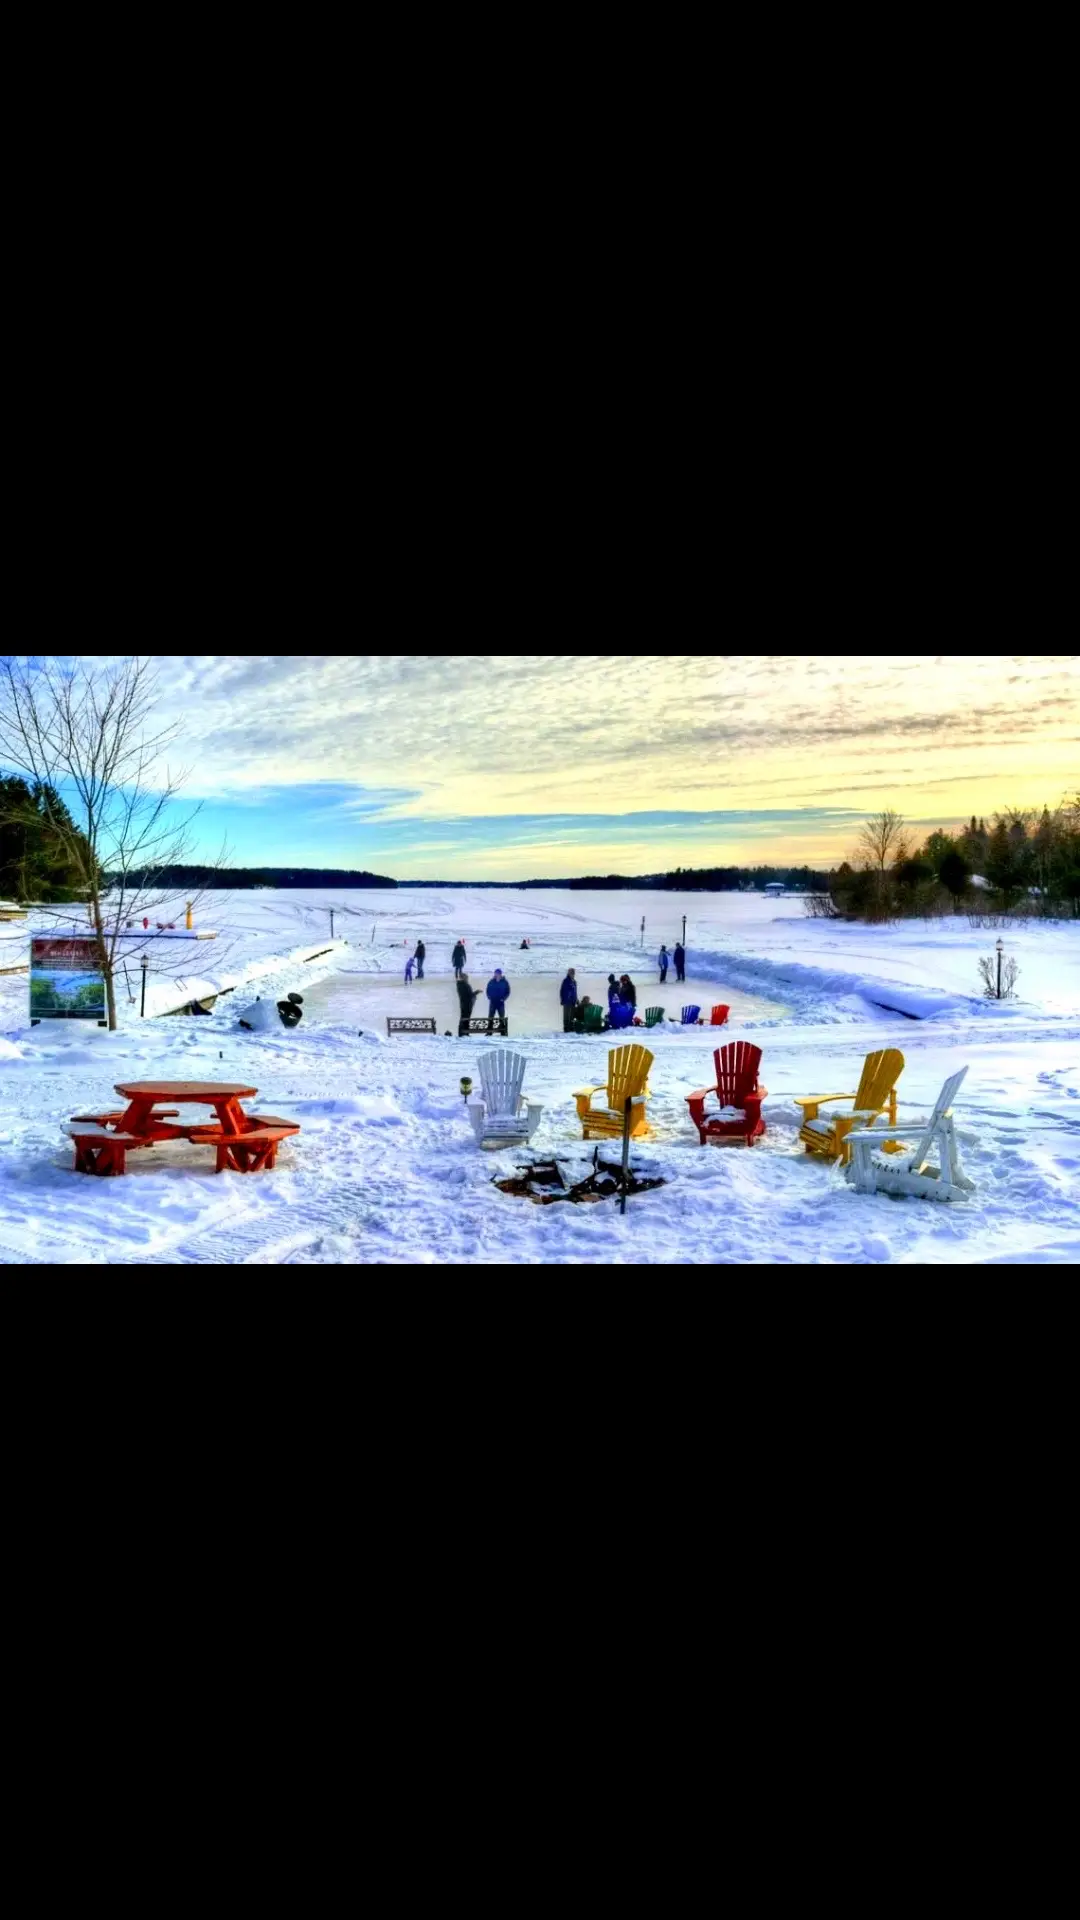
[(738, 1093)]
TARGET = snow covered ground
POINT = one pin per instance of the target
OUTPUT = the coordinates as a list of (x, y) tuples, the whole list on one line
[(386, 1168)]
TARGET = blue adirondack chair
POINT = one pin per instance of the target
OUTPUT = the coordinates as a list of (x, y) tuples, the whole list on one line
[(690, 1016)]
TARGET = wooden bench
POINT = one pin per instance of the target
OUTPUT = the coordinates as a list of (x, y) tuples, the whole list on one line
[(110, 1119), (251, 1152), (482, 1025), (97, 1150), (407, 1023), (256, 1123)]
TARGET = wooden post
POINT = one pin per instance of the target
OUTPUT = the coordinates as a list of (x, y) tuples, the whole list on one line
[(625, 1150)]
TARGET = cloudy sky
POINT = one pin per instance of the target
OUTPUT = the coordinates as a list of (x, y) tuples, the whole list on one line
[(458, 767)]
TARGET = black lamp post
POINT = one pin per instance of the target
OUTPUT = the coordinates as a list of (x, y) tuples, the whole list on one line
[(684, 930), (142, 1004), (1000, 946)]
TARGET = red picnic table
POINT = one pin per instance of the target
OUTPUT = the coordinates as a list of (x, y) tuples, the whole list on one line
[(246, 1142)]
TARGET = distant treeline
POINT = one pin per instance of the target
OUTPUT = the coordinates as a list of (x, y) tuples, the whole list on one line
[(1025, 863), (239, 877), (680, 880)]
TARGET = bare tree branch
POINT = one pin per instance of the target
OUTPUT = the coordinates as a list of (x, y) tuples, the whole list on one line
[(87, 729)]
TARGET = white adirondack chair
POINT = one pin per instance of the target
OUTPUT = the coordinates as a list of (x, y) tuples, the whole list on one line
[(500, 1114), (872, 1171)]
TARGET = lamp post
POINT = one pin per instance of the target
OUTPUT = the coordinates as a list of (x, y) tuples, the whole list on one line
[(1000, 947), (684, 930), (331, 923), (466, 1086), (142, 1003)]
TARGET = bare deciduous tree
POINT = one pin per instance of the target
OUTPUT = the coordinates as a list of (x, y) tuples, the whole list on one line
[(882, 840), (86, 730)]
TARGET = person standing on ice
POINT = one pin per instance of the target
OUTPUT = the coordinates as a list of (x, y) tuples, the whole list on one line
[(409, 965), (679, 957), (664, 962), (498, 993), (568, 996), (457, 959), (467, 997), (418, 956)]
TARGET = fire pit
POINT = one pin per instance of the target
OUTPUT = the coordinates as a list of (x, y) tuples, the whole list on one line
[(544, 1182)]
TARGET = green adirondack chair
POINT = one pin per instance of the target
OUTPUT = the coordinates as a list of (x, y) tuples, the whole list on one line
[(653, 1016), (593, 1020)]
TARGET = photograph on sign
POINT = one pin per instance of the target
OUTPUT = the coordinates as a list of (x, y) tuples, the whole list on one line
[(65, 981), (63, 995)]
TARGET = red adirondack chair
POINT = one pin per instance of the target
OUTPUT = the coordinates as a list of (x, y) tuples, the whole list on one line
[(739, 1095)]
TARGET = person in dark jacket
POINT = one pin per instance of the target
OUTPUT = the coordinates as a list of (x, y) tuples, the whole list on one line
[(418, 956), (457, 960), (568, 996), (498, 993), (612, 990), (679, 957), (467, 997), (628, 992), (664, 962)]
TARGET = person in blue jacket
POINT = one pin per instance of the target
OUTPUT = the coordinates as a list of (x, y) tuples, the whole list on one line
[(498, 993), (613, 993), (568, 996)]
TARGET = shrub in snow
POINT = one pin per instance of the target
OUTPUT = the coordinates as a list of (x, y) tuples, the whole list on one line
[(1009, 972)]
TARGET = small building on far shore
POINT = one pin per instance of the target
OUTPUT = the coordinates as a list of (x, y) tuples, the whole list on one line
[(774, 888)]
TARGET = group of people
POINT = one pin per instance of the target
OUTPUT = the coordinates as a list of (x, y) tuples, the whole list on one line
[(498, 987), (621, 992), (498, 993), (664, 959), (621, 996)]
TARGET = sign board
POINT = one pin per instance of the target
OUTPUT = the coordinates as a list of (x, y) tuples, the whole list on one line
[(66, 982)]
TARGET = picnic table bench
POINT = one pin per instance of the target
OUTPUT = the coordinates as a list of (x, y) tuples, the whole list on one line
[(245, 1142), (99, 1151)]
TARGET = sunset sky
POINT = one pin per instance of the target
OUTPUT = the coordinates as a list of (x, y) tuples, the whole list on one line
[(436, 766)]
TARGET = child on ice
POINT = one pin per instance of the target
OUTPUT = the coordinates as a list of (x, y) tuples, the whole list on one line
[(409, 965)]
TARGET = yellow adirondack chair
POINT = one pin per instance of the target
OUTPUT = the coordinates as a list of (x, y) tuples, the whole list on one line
[(628, 1073), (877, 1094)]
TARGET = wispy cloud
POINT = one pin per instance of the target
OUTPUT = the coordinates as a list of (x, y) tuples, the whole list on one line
[(345, 746)]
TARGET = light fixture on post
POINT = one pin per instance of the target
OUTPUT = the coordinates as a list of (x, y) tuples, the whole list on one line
[(466, 1086)]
